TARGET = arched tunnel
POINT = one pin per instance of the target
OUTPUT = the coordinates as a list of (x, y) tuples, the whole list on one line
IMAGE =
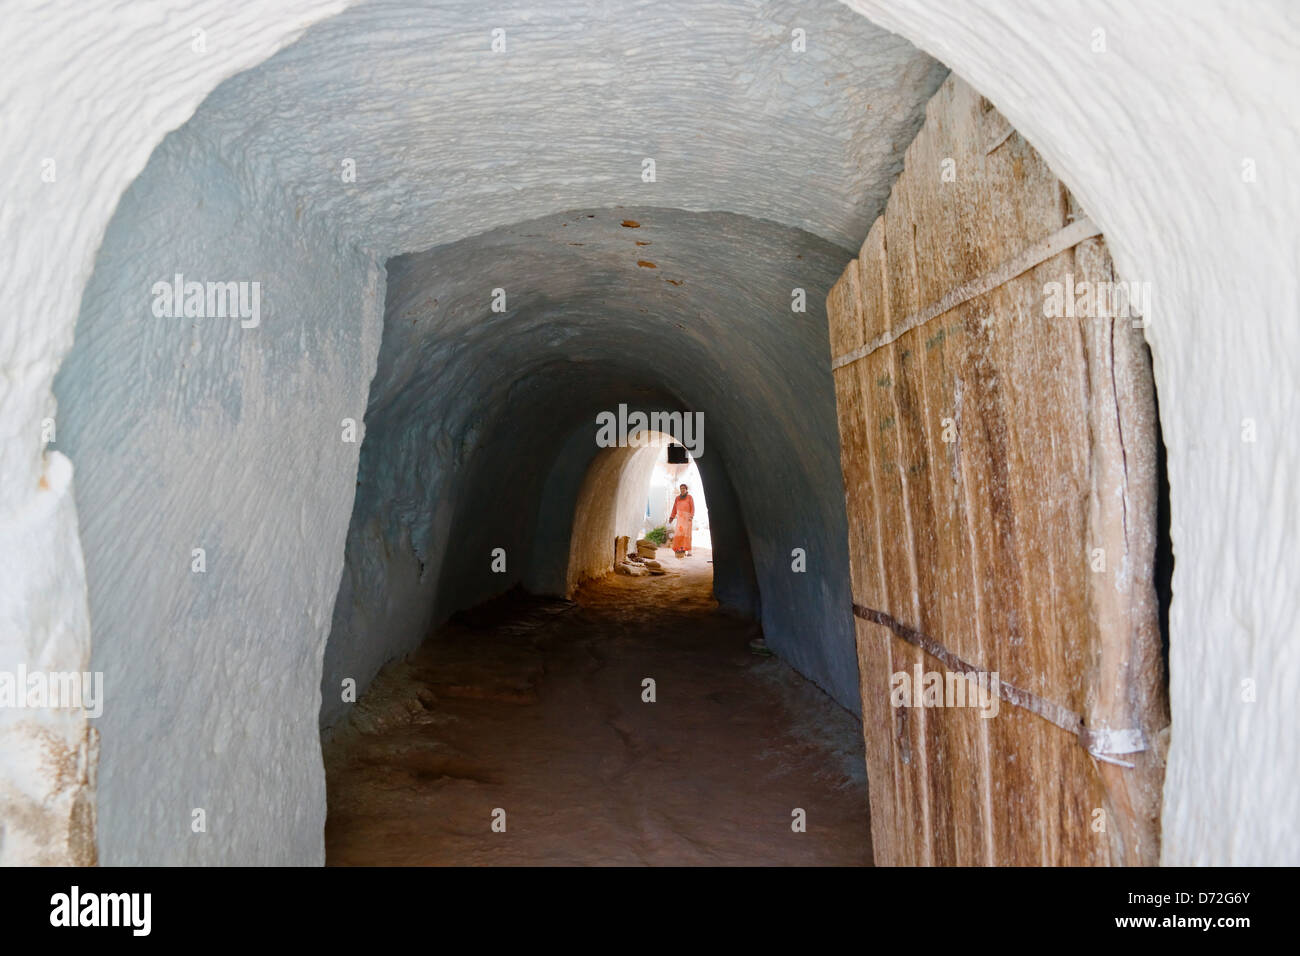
[(469, 407), (458, 235), (377, 307)]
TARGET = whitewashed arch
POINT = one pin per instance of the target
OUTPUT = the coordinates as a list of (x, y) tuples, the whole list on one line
[(1153, 135)]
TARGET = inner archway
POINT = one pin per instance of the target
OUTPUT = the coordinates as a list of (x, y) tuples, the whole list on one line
[(628, 494)]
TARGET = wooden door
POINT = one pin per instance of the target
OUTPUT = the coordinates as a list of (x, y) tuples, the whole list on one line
[(1000, 477)]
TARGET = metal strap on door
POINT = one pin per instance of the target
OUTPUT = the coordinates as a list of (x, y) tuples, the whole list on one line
[(1102, 743)]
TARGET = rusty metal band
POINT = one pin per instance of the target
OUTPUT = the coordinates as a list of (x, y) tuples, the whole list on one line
[(1101, 743), (1037, 253)]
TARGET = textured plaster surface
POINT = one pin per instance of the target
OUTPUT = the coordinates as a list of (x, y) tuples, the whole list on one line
[(451, 139), (92, 89), (1150, 135), (200, 433)]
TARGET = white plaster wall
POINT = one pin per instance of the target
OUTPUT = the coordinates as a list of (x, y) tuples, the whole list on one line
[(94, 88), (200, 433), (1151, 136)]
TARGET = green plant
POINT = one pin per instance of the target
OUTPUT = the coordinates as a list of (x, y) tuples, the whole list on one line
[(658, 535)]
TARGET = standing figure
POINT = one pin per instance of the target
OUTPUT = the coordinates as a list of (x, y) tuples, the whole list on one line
[(684, 513)]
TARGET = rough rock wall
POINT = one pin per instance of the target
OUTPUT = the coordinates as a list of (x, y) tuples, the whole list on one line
[(226, 435)]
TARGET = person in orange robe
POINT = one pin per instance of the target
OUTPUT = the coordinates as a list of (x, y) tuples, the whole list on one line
[(684, 513)]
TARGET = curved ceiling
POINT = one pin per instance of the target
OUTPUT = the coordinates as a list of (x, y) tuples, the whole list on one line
[(450, 139)]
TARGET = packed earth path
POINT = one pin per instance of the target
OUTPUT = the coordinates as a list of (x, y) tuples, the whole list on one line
[(530, 713)]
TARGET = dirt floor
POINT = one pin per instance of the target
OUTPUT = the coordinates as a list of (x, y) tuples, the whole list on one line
[(534, 707)]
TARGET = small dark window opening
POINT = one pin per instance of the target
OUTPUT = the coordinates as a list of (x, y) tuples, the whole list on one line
[(677, 455)]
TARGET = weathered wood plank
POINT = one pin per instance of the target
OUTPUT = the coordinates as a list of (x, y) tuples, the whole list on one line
[(986, 453)]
